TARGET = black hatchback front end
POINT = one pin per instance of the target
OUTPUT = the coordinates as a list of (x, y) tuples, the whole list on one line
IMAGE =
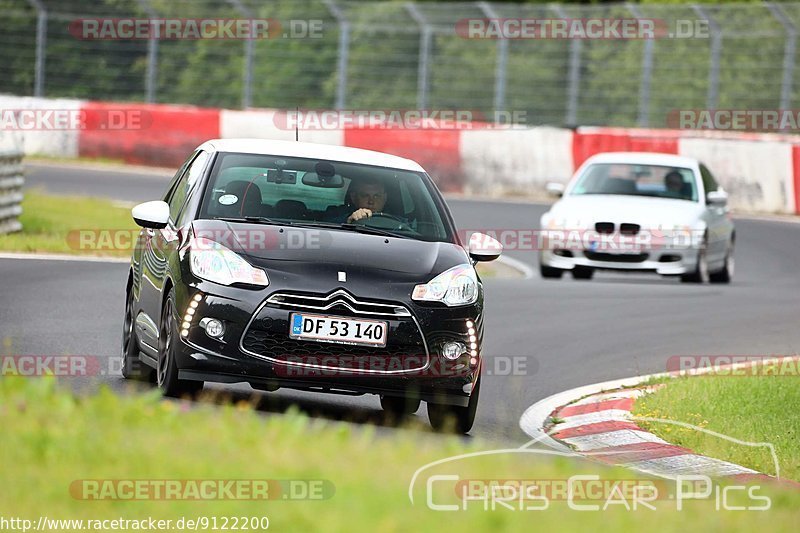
[(286, 271), (255, 345)]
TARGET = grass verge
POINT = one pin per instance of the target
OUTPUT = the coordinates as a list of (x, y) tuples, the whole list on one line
[(71, 225), (52, 440), (752, 408)]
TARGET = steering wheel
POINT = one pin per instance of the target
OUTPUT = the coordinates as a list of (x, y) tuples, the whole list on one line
[(387, 217)]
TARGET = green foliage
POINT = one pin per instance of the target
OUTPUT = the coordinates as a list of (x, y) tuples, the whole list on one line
[(384, 53)]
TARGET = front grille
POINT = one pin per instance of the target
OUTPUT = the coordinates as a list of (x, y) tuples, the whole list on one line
[(616, 258), (629, 229), (340, 301), (267, 336), (278, 346), (604, 227)]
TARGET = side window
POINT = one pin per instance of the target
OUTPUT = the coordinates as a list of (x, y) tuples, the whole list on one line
[(709, 183), (184, 184), (177, 177)]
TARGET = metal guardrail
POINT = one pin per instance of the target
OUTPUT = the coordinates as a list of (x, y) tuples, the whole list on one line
[(11, 181)]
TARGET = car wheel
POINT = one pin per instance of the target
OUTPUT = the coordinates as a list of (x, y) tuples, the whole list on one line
[(132, 366), (726, 274), (400, 408), (550, 272), (582, 273), (167, 372), (442, 416), (700, 274)]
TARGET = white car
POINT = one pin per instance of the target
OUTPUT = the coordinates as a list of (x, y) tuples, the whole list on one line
[(639, 212)]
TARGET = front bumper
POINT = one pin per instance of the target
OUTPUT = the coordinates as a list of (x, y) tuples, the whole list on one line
[(665, 262), (410, 365)]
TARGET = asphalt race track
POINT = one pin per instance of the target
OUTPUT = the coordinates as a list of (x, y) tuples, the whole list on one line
[(561, 333)]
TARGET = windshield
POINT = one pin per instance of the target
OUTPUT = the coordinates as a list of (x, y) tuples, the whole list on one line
[(348, 196), (637, 180)]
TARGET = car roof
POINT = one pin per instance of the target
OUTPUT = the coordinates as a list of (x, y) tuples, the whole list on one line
[(644, 158), (329, 152)]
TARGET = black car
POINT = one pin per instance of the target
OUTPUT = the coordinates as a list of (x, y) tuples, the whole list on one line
[(313, 267)]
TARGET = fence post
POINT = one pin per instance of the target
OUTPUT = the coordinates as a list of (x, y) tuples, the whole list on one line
[(788, 53), (716, 51), (574, 76), (643, 119), (152, 55), (502, 61), (342, 52), (424, 54), (41, 46), (247, 74)]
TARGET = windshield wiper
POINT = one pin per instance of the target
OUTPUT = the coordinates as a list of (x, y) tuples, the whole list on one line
[(359, 228), (372, 231), (254, 220)]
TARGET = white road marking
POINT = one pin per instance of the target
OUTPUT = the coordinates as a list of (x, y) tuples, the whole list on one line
[(620, 437), (689, 464), (527, 271), (592, 418)]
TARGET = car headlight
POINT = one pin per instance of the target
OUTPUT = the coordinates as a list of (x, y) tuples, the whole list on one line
[(562, 222), (211, 261), (456, 286)]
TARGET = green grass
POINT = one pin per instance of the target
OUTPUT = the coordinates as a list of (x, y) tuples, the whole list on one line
[(747, 408), (51, 439), (71, 225)]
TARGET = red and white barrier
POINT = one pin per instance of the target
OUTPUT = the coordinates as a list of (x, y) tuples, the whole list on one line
[(761, 172)]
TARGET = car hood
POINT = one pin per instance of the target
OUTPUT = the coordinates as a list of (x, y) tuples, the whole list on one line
[(294, 248), (585, 210)]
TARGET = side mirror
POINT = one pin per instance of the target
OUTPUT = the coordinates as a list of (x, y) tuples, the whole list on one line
[(153, 215), (554, 189), (484, 248), (717, 198)]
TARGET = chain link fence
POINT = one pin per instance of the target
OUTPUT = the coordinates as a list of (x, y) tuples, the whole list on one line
[(345, 54)]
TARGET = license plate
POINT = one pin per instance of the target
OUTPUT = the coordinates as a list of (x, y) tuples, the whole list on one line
[(322, 328)]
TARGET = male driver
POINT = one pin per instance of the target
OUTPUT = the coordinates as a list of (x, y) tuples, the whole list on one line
[(673, 183), (367, 197)]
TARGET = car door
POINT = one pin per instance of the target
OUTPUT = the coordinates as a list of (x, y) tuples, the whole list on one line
[(160, 244), (716, 218)]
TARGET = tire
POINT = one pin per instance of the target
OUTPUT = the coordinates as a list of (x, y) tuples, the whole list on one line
[(443, 416), (550, 272), (726, 274), (400, 408), (700, 274), (167, 372), (132, 366), (582, 273)]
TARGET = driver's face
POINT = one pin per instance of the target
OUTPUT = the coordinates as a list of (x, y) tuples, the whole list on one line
[(370, 196), (674, 183)]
